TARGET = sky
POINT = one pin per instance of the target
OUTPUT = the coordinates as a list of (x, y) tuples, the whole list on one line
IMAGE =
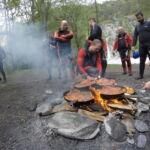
[(101, 1)]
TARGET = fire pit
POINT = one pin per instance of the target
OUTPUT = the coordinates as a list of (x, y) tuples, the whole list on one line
[(109, 97)]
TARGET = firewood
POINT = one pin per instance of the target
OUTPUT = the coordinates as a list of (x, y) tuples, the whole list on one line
[(123, 107), (63, 107), (98, 116)]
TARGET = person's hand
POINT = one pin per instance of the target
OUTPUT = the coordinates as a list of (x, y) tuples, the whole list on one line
[(133, 48), (89, 77), (129, 53)]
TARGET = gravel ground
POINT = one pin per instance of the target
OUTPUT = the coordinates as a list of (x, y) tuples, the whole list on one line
[(22, 129)]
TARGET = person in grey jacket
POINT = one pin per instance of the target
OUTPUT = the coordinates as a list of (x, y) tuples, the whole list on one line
[(142, 32)]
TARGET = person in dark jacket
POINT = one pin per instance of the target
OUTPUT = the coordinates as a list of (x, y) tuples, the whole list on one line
[(123, 45), (2, 57), (64, 51), (89, 60), (96, 33), (142, 31), (95, 30)]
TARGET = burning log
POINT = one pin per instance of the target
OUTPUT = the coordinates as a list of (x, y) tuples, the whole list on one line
[(112, 104), (129, 90), (122, 107), (100, 100)]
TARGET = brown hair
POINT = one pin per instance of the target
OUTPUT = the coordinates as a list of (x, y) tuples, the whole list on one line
[(92, 19), (139, 14)]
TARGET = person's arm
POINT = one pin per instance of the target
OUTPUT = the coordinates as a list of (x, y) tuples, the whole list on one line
[(68, 36), (135, 36), (59, 38), (95, 32), (98, 63), (80, 61), (130, 41), (105, 48), (115, 45)]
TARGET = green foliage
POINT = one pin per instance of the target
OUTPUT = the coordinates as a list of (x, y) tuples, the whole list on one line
[(50, 12), (13, 3)]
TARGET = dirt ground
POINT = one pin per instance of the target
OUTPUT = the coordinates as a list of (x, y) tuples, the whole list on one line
[(21, 128)]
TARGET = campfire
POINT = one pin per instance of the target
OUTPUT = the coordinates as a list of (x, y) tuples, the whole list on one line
[(111, 104), (104, 93), (92, 103)]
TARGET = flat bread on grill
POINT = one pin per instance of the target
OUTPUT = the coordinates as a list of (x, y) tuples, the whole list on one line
[(111, 90), (78, 96), (85, 83), (104, 81)]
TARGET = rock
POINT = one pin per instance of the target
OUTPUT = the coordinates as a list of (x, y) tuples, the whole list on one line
[(141, 141), (44, 109), (141, 126), (32, 106), (73, 125), (130, 140), (142, 107), (147, 85), (145, 99), (49, 92), (115, 128), (142, 91), (129, 123)]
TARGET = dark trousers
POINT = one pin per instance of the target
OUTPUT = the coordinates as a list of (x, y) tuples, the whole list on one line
[(2, 71), (126, 62), (104, 66), (144, 52)]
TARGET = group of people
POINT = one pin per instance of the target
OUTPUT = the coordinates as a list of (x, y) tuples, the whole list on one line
[(91, 59)]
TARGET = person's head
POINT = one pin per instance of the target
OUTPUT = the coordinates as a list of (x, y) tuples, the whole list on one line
[(120, 30), (139, 17), (64, 25), (92, 21), (95, 46)]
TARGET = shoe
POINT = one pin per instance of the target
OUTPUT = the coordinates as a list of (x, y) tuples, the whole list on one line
[(124, 73), (130, 74), (138, 78)]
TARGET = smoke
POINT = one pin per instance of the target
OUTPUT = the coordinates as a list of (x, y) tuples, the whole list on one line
[(27, 46)]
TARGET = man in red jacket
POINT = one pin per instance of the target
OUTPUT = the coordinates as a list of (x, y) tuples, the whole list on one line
[(63, 46), (123, 45), (89, 61)]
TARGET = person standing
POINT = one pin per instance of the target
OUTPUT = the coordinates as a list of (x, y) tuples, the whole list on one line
[(96, 33), (142, 33), (64, 51), (95, 30), (123, 44), (2, 57)]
